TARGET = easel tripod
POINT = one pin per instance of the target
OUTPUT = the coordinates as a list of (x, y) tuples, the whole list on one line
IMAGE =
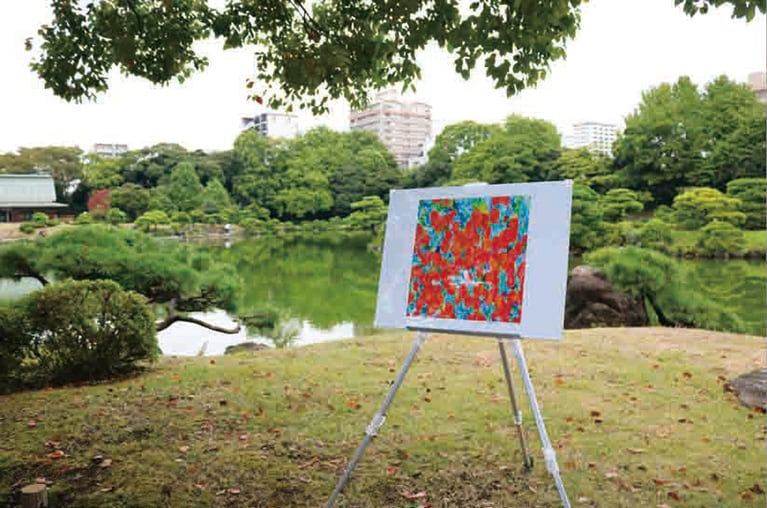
[(548, 451)]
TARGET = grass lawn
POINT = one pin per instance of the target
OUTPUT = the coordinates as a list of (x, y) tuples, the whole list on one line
[(639, 418)]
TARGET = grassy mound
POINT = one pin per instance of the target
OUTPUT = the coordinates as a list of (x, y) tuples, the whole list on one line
[(639, 417)]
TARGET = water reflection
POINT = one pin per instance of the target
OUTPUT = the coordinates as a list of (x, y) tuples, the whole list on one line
[(187, 339)]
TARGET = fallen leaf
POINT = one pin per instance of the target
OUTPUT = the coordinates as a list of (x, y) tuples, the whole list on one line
[(746, 495), (56, 455), (595, 414), (212, 361), (757, 489), (234, 490), (107, 489), (183, 449), (687, 375), (106, 463), (673, 495), (635, 450), (32, 424), (390, 470), (415, 495)]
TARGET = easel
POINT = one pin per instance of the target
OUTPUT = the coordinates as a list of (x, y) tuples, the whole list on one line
[(548, 451)]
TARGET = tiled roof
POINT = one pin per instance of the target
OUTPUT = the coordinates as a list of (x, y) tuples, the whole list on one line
[(23, 191)]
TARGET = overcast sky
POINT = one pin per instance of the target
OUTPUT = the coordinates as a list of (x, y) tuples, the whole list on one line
[(622, 48)]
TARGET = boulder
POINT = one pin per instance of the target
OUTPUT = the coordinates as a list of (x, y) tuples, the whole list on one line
[(591, 301), (245, 347), (751, 388)]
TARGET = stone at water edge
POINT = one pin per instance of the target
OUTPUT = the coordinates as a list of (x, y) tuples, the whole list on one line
[(751, 388), (591, 301), (245, 347)]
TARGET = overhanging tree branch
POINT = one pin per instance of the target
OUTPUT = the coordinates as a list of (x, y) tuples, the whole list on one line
[(162, 325)]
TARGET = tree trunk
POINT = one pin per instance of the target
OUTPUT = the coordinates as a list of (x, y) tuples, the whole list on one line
[(34, 496)]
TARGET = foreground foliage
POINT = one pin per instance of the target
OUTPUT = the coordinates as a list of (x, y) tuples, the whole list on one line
[(179, 277), (643, 422), (74, 331)]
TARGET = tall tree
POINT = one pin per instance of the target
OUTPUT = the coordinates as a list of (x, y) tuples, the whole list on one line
[(662, 144), (734, 134), (454, 140), (257, 183), (311, 53), (184, 187), (524, 150)]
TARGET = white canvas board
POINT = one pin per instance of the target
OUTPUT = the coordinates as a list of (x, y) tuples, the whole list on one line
[(545, 256)]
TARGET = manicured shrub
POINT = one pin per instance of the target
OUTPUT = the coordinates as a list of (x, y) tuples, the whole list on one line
[(752, 194), (26, 227), (655, 234), (84, 218), (88, 330), (720, 239), (697, 207), (14, 341)]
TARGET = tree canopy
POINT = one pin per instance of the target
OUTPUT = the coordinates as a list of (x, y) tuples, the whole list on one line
[(309, 54)]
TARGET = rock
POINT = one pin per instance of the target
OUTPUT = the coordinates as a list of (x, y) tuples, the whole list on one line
[(245, 347), (751, 388), (591, 301)]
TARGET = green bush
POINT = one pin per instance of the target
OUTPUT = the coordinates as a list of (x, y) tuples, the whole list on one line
[(617, 203), (695, 208), (84, 218), (88, 330), (660, 281), (39, 219), (752, 193), (720, 239), (587, 228), (115, 216), (655, 234), (14, 340), (27, 227)]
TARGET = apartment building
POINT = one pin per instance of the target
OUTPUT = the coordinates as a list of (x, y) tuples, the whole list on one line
[(110, 149), (596, 136), (403, 126), (272, 124)]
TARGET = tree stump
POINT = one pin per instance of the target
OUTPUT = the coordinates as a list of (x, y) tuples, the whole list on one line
[(34, 496)]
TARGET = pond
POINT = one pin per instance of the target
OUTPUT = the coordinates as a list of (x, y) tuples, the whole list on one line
[(325, 288)]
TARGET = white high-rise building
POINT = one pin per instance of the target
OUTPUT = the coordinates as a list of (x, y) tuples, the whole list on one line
[(596, 136), (110, 150), (403, 126), (272, 124), (758, 83)]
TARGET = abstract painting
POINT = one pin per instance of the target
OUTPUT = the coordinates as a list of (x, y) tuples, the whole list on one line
[(468, 259)]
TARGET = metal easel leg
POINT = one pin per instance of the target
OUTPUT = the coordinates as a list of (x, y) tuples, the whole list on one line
[(548, 451), (378, 419), (527, 458)]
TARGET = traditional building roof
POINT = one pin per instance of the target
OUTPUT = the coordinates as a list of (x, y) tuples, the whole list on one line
[(28, 191)]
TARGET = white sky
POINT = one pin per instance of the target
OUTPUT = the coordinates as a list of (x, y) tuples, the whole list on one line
[(622, 48)]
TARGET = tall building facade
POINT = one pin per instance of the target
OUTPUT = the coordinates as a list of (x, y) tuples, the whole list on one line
[(110, 149), (272, 124), (758, 83), (403, 126), (596, 136)]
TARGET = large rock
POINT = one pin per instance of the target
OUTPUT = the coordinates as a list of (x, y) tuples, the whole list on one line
[(751, 388), (592, 301)]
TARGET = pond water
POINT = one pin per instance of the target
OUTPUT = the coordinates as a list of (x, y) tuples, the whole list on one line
[(326, 286)]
